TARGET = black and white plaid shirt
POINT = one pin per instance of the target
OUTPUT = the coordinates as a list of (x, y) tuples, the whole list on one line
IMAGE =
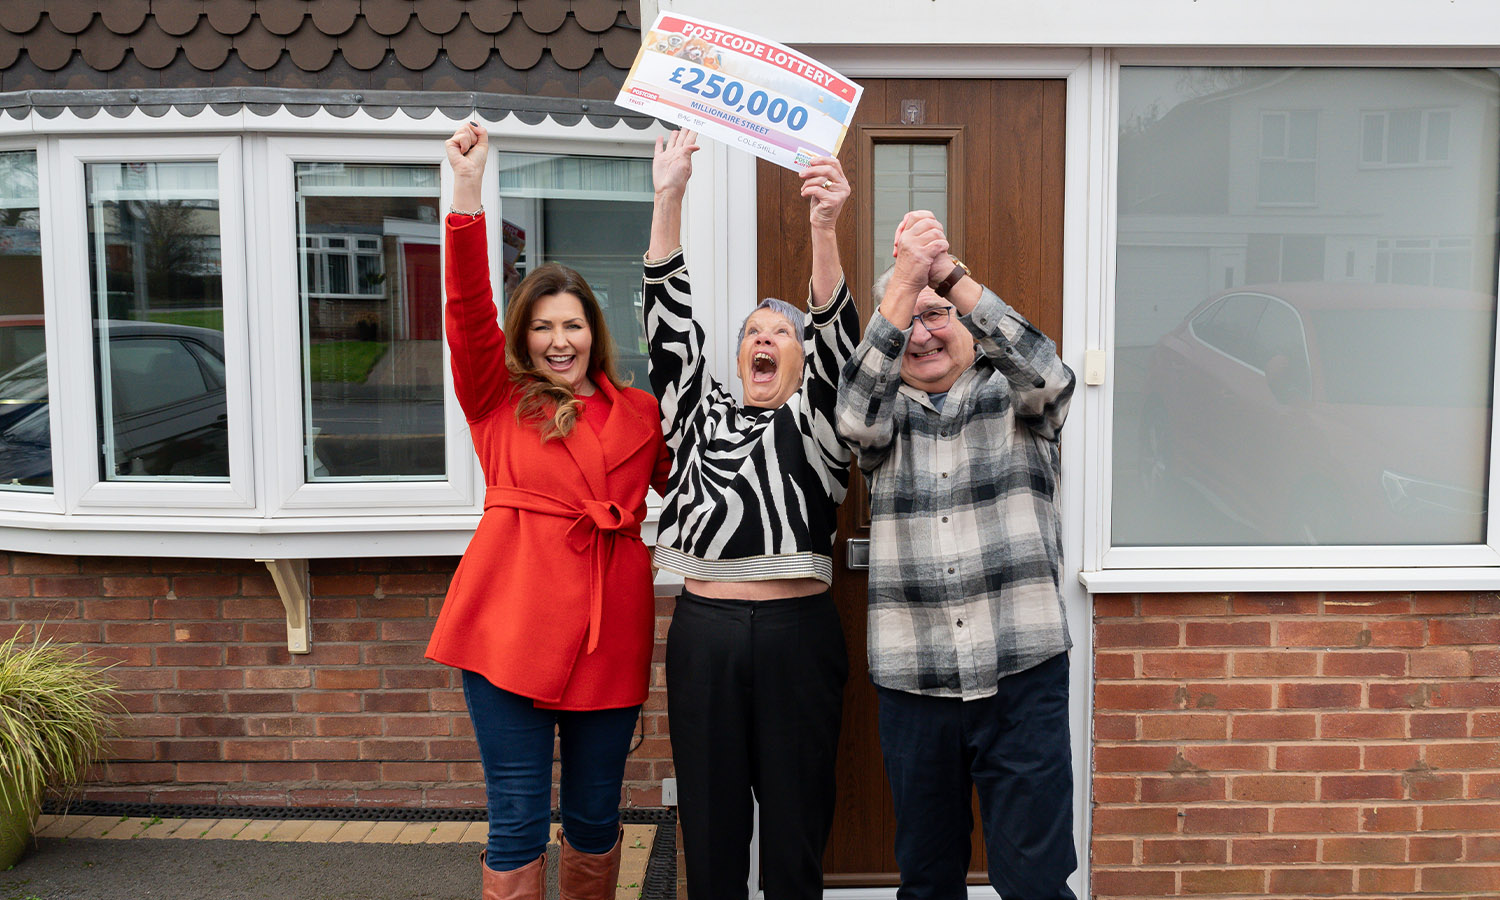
[(966, 539)]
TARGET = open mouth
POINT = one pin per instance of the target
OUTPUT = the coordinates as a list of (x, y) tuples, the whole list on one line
[(762, 368), (926, 354), (560, 363)]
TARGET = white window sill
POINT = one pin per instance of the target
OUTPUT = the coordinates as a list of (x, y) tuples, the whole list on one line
[(1222, 581)]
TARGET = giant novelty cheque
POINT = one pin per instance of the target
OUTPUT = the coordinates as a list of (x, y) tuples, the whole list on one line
[(741, 89)]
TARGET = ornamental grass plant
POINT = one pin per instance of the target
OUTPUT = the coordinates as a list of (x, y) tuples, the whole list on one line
[(56, 712)]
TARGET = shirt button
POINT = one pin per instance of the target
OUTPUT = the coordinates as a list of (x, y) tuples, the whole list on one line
[(945, 474), (960, 623), (945, 518), (950, 570)]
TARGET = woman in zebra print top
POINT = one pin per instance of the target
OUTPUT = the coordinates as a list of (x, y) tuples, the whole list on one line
[(756, 661)]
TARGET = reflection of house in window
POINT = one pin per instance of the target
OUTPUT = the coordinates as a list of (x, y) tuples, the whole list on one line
[(1405, 137), (1442, 262), (1288, 156), (344, 265)]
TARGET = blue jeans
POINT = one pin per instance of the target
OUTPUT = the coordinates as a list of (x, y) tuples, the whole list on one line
[(1013, 748), (515, 748)]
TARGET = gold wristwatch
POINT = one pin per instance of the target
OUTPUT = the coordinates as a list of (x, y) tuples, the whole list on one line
[(954, 277)]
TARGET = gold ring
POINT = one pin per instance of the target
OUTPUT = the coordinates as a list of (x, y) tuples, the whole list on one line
[(827, 183)]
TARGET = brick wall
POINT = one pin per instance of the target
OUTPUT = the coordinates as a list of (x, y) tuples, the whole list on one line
[(221, 713), (1297, 745)]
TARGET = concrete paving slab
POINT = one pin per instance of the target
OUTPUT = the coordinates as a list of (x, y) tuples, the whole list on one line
[(256, 829), (194, 829), (224, 829), (96, 827), (127, 829), (351, 832), (414, 833), (289, 830), (383, 833), (160, 828), (62, 826), (448, 832), (477, 833), (319, 832)]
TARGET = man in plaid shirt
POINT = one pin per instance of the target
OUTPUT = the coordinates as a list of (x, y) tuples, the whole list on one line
[(967, 639)]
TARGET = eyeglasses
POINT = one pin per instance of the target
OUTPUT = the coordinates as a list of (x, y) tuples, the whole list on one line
[(934, 319)]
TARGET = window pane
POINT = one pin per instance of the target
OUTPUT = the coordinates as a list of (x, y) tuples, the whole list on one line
[(1339, 390), (907, 177), (372, 316), (591, 214), (154, 266), (25, 423)]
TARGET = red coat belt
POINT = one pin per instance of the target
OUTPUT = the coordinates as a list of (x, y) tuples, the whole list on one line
[(596, 524)]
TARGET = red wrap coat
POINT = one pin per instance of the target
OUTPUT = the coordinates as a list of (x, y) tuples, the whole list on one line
[(553, 597)]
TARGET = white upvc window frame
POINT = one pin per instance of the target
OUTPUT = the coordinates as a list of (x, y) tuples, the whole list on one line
[(86, 491), (1424, 132), (1250, 568), (286, 453)]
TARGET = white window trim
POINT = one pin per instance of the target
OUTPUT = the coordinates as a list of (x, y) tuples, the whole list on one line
[(1108, 569), (266, 510), (1422, 161)]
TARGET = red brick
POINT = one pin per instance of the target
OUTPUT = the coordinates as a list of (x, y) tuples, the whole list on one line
[(1374, 663), (1397, 757), (191, 655), (1400, 880), (1464, 695), (1421, 848), (1461, 817), (1440, 664), (258, 750), (1274, 664), (1316, 820), (1135, 820), (1166, 852), (186, 608), (1447, 631), (1275, 604), (1179, 727), (1274, 788), (210, 726), (1273, 851), (397, 702), (324, 749), (278, 772), (331, 655), (1184, 665), (328, 702), (77, 633), (282, 678), (1484, 786), (1112, 665), (395, 772), (205, 585), (1114, 728), (46, 610), (1388, 819), (348, 771), (343, 585), (1439, 725), (1134, 758), (1429, 787), (1319, 695), (1477, 847), (1133, 883), (1274, 727), (416, 726), (15, 586), (435, 583), (1137, 696), (251, 656), (1364, 850), (391, 750), (117, 608), (1322, 633), (1358, 604), (348, 726), (133, 586), (1442, 603), (1361, 787), (35, 564), (251, 607), (345, 630), (1180, 605), (1228, 696), (425, 677), (1112, 853), (1185, 789), (171, 702), (1397, 634), (1225, 820), (1467, 880), (219, 772), (1116, 789), (1470, 755), (278, 726), (259, 702), (206, 632), (1228, 634), (263, 632), (1223, 881), (1362, 725), (1227, 758), (1312, 882), (395, 654), (406, 630), (1317, 757)]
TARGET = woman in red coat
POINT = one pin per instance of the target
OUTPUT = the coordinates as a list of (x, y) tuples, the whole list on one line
[(551, 612)]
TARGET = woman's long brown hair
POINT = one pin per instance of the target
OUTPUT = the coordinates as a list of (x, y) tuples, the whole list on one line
[(552, 406)]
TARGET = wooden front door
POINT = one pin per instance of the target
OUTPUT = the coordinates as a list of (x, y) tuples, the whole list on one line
[(990, 153)]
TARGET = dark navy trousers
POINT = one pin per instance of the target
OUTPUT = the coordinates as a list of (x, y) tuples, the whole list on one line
[(1014, 749)]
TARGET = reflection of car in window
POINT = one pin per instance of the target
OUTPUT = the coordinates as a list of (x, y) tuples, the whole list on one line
[(1324, 413), (166, 408)]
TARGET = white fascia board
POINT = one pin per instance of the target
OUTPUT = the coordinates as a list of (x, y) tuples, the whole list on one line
[(1110, 23), (1227, 581)]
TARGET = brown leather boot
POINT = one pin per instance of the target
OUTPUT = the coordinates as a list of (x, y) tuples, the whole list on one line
[(525, 883), (588, 876)]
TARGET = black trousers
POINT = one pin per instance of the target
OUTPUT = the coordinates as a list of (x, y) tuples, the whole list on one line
[(1014, 749), (755, 690)]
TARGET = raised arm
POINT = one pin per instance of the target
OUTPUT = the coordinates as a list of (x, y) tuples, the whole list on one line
[(1041, 385), (476, 344)]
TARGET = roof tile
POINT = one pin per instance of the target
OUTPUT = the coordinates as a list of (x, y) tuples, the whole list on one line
[(101, 48), (338, 75), (176, 17), (439, 16), (335, 16), (444, 75), (388, 17), (310, 48), (416, 48), (281, 16), (10, 50), (123, 16), (620, 47), (154, 47), (230, 16), (258, 47), (543, 16), (362, 47), (548, 79), (132, 73), (596, 15), (633, 18), (600, 80), (571, 45), (24, 75), (234, 73), (468, 47), (491, 16), (518, 47), (77, 75), (206, 48), (287, 74), (48, 47), (20, 16), (71, 18), (498, 79)]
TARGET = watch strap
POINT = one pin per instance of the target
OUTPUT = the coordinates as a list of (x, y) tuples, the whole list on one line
[(954, 277)]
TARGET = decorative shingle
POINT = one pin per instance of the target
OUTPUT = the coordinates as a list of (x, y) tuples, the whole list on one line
[(439, 16), (206, 48), (281, 16), (596, 15), (620, 48), (176, 17), (49, 48), (20, 16), (335, 17), (230, 16), (122, 16), (416, 48), (74, 17), (388, 17), (362, 47), (467, 47), (311, 49), (571, 45), (257, 46), (10, 50), (519, 47), (543, 16), (153, 47), (491, 18), (101, 48)]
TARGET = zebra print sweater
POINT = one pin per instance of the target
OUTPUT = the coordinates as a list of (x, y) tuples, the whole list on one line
[(753, 493)]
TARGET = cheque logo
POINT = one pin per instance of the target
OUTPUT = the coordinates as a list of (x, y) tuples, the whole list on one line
[(732, 95)]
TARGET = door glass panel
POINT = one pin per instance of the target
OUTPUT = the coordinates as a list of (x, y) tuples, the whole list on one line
[(155, 272), (372, 319), (906, 177), (1319, 375), (25, 423), (591, 214)]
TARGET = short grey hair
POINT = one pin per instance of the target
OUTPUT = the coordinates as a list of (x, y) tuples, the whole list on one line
[(781, 307), (881, 283)]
